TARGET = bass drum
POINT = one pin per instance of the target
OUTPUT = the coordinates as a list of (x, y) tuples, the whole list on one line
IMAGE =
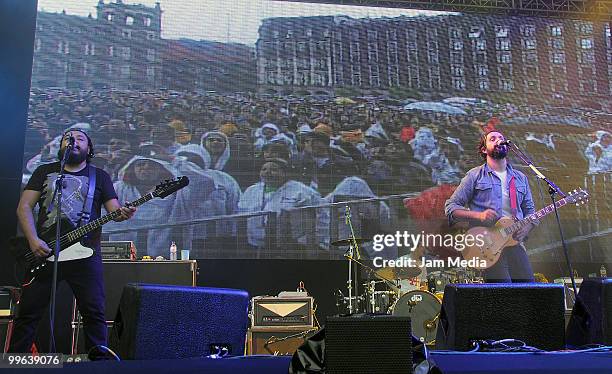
[(423, 308)]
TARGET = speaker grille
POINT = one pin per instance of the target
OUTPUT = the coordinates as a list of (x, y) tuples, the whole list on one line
[(532, 313), (368, 344)]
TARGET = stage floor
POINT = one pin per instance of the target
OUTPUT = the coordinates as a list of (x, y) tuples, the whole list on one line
[(444, 362)]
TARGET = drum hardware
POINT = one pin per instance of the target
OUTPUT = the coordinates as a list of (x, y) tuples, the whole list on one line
[(424, 310)]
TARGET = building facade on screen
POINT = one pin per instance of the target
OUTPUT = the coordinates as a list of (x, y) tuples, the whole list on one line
[(445, 54), (122, 48)]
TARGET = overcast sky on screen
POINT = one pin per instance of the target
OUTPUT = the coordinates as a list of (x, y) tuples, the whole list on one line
[(227, 21)]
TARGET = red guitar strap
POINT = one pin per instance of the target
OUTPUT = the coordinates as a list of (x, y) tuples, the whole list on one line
[(513, 203)]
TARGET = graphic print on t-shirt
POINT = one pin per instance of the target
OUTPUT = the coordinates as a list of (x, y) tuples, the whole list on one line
[(73, 196)]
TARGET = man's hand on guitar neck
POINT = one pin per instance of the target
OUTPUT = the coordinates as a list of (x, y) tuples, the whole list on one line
[(39, 247)]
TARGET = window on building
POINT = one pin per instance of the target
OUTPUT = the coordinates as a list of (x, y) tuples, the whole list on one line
[(587, 57), (85, 69), (476, 32), (454, 32), (507, 85), (392, 35), (481, 45), (502, 31), (558, 58), (127, 34), (503, 44), (457, 71), (586, 28), (530, 58), (37, 45), (110, 70), (527, 30), (504, 58), (556, 30), (308, 33), (289, 34), (275, 34), (125, 53), (483, 85), (147, 21), (150, 72), (586, 43), (483, 71), (456, 58), (110, 17), (151, 36), (558, 44), (129, 20), (372, 34), (111, 51), (457, 45), (459, 83), (530, 43), (608, 31), (150, 55)]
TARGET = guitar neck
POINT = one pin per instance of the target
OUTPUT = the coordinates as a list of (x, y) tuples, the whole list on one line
[(80, 232), (535, 216)]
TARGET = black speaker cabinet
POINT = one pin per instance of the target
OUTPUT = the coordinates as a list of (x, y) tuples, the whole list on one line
[(366, 344), (168, 322), (591, 320), (530, 312)]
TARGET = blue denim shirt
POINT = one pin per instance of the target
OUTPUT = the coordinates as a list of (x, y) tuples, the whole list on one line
[(480, 189)]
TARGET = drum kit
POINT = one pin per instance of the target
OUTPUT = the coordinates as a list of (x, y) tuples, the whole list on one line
[(399, 291)]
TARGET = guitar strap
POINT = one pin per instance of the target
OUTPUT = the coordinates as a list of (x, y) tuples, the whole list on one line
[(86, 213), (513, 203)]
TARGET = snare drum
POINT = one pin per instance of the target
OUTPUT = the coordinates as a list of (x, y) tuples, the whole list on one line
[(423, 308), (380, 301)]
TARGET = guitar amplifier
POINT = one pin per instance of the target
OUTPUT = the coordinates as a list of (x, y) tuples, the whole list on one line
[(278, 341), (282, 311), (118, 250)]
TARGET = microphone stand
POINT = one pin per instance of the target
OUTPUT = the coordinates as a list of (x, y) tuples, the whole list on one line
[(59, 186), (353, 248), (552, 190)]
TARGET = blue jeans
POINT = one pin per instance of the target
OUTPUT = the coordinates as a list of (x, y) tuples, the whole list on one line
[(86, 281), (513, 267)]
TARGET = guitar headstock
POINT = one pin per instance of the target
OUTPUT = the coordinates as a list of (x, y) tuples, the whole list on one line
[(170, 186), (578, 197)]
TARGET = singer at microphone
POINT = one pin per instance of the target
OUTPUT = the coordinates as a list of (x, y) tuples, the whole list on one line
[(492, 191)]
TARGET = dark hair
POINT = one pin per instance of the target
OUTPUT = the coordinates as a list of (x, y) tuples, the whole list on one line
[(90, 154), (482, 143)]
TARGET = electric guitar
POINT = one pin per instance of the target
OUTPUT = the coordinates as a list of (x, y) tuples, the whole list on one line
[(70, 245), (496, 238)]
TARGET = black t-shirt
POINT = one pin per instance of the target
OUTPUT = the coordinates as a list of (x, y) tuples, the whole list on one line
[(76, 186)]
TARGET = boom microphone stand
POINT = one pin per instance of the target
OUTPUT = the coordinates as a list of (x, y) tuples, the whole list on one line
[(59, 186), (552, 190)]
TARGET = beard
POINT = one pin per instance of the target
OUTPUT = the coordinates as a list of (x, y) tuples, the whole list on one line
[(499, 153), (74, 158)]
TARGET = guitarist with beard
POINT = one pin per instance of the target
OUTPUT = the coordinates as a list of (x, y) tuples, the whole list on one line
[(84, 275), (489, 192)]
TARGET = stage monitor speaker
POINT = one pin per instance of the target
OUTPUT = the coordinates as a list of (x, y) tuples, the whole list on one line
[(366, 344), (529, 312), (591, 320), (167, 322)]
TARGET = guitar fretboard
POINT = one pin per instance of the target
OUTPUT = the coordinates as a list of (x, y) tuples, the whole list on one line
[(537, 215), (80, 232)]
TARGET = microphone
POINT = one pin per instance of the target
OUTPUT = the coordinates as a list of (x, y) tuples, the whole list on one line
[(505, 142)]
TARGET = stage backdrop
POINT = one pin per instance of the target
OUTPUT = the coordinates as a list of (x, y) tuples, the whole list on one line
[(377, 109)]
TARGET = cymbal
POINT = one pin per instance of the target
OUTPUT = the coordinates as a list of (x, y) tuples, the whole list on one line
[(349, 241), (399, 272)]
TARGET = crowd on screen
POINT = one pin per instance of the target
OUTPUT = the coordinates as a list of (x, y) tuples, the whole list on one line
[(248, 153)]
